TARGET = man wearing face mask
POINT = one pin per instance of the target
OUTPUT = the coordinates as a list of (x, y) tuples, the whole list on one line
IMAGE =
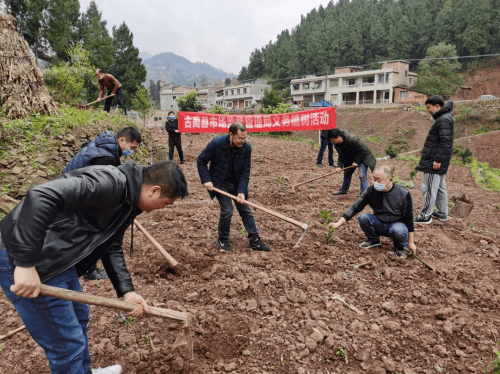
[(106, 149), (230, 157), (174, 137), (392, 214)]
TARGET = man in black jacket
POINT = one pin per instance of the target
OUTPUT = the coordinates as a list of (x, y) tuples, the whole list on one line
[(435, 160), (60, 229), (352, 152), (174, 137)]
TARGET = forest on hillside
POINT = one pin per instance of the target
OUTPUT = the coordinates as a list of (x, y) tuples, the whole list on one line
[(363, 32)]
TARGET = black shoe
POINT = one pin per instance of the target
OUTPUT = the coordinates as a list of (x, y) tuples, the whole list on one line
[(439, 216), (182, 162), (369, 244), (398, 252), (422, 221), (333, 165), (223, 245), (319, 165), (95, 275), (258, 245), (339, 192)]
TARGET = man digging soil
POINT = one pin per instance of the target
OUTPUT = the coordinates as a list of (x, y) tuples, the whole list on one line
[(229, 157), (58, 231), (114, 89)]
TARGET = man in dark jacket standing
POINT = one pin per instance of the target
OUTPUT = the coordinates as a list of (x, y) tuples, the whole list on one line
[(230, 157), (325, 142), (435, 160), (106, 149), (59, 230), (352, 152), (174, 137)]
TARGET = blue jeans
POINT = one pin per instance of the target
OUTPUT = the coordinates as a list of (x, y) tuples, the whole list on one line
[(325, 142), (58, 326), (373, 229), (226, 213), (362, 171)]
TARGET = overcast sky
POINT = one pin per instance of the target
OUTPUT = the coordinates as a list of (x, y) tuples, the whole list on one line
[(221, 33)]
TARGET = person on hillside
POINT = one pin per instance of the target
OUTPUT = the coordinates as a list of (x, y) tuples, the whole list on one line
[(229, 158), (392, 214), (325, 141), (174, 137), (106, 149), (114, 88), (435, 160), (354, 152), (59, 230)]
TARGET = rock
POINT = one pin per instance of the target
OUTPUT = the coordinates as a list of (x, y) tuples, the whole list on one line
[(357, 325), (448, 327), (362, 355), (317, 336), (134, 358), (251, 305), (125, 340), (303, 371), (460, 353), (230, 367), (70, 139), (16, 170), (390, 307), (374, 327), (417, 293), (441, 351), (390, 365), (483, 242), (392, 325), (289, 235), (443, 313), (177, 364), (192, 296), (311, 344), (303, 354)]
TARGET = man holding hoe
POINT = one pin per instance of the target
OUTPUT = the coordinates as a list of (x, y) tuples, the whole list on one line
[(114, 89)]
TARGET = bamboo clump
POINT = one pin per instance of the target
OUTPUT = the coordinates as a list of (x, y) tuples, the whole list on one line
[(22, 87)]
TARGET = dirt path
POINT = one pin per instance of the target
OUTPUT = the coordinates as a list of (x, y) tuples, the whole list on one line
[(272, 312)]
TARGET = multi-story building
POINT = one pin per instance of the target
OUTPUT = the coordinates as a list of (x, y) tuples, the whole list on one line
[(169, 96), (350, 85), (245, 95)]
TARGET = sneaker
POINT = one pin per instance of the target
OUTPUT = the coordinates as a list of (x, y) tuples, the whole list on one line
[(398, 252), (333, 165), (319, 165), (339, 192), (115, 369), (96, 274), (422, 221), (223, 245), (439, 216), (258, 245), (369, 244)]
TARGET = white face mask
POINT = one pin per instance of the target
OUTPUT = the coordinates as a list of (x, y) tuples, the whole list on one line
[(379, 186)]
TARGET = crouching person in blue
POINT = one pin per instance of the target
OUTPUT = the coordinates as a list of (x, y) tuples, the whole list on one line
[(58, 231), (229, 157), (392, 214)]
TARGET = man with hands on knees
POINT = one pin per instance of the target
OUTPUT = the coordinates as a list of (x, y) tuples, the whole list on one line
[(58, 231), (229, 157), (392, 214)]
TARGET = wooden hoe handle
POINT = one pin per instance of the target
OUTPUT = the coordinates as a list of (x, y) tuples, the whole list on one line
[(99, 100), (322, 176), (269, 211), (171, 261)]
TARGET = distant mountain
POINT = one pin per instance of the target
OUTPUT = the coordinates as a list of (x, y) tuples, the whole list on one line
[(169, 67), (144, 55)]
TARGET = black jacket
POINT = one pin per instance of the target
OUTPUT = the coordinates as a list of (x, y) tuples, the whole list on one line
[(355, 150), (171, 125), (74, 220), (438, 145)]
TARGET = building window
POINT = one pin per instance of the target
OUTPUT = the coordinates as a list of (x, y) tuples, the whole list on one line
[(406, 73), (305, 86), (351, 82), (156, 118), (296, 86), (229, 105), (335, 97), (334, 82), (232, 92), (174, 97), (410, 95), (368, 80), (381, 78), (247, 103), (244, 90), (227, 93), (238, 91), (317, 84), (402, 94), (411, 81)]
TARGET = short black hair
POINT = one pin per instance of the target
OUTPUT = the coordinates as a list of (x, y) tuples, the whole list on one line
[(334, 133), (235, 126), (171, 112), (130, 134), (169, 176), (435, 100)]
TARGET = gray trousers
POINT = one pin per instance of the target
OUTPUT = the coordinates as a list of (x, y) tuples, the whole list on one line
[(434, 193)]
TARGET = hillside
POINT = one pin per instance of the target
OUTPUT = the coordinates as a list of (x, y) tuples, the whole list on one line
[(170, 67)]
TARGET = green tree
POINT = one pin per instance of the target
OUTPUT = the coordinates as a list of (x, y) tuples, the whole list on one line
[(189, 102), (217, 110), (127, 66), (439, 76), (272, 98), (227, 81), (244, 75), (143, 104)]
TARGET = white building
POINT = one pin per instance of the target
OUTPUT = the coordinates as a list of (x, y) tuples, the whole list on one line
[(242, 96)]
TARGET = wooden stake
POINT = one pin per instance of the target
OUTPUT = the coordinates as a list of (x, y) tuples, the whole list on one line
[(423, 262), (322, 176), (9, 334), (171, 261)]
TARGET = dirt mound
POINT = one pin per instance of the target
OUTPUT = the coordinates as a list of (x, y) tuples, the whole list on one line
[(273, 312), (482, 81)]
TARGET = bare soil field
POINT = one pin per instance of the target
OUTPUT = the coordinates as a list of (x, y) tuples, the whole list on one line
[(273, 312)]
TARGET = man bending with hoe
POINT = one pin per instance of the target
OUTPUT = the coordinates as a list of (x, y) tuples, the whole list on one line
[(392, 214), (58, 231), (114, 88), (229, 157)]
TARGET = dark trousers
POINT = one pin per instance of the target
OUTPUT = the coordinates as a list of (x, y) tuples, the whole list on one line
[(175, 142), (325, 142), (226, 213), (119, 99), (373, 229)]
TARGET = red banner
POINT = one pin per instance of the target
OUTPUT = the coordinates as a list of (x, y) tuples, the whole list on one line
[(316, 119)]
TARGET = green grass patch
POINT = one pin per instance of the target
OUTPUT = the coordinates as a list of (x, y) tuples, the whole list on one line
[(409, 157), (422, 108), (486, 177), (372, 139)]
